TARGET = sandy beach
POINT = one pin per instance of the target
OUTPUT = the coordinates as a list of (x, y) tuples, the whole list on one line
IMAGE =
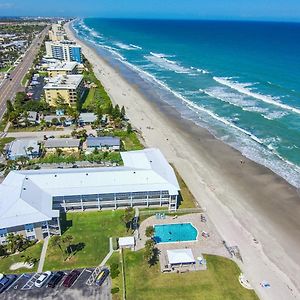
[(244, 201)]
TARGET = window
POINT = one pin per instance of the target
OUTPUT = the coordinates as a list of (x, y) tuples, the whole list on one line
[(3, 232), (29, 227), (44, 225)]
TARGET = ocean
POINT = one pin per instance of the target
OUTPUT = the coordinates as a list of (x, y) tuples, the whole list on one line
[(239, 80)]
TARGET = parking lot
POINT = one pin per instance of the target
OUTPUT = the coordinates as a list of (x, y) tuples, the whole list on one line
[(24, 288)]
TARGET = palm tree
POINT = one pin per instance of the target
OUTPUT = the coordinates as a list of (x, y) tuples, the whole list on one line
[(149, 231), (43, 123), (11, 242), (68, 239), (56, 241)]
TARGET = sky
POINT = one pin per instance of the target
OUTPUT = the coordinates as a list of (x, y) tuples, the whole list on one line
[(277, 10)]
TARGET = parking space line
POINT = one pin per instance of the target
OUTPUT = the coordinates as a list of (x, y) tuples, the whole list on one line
[(14, 283), (78, 277), (62, 280), (30, 283)]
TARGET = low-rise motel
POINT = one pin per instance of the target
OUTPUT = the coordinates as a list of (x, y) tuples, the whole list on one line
[(31, 200), (70, 88)]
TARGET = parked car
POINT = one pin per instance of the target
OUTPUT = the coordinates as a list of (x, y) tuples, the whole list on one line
[(43, 278), (70, 279), (101, 277), (6, 281), (55, 279)]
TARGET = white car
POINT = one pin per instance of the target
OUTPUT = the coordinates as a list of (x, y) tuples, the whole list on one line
[(43, 278)]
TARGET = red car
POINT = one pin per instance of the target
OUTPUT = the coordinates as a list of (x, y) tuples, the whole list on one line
[(70, 279)]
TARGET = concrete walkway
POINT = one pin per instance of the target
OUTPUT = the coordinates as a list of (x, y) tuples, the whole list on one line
[(111, 250), (43, 255)]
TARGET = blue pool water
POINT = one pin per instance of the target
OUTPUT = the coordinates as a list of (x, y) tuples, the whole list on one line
[(170, 233)]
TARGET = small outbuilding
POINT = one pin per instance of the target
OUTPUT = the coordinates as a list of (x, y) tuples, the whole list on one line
[(126, 242)]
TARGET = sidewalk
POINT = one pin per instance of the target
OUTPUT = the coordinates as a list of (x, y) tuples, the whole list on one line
[(43, 255)]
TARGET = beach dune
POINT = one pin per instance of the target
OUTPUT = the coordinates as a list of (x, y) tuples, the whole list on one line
[(250, 206)]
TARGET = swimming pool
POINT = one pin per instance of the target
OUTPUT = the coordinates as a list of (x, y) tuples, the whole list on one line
[(171, 233)]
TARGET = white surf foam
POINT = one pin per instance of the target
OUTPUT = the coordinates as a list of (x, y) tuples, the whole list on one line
[(163, 62), (242, 88), (201, 70), (136, 47), (125, 46)]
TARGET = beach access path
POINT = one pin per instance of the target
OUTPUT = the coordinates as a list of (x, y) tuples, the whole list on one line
[(250, 206)]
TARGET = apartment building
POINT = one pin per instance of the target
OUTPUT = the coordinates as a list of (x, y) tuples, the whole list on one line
[(67, 88), (64, 50)]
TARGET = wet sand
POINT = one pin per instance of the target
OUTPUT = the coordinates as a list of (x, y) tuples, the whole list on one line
[(245, 201)]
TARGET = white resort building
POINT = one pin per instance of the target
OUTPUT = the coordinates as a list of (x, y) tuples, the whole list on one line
[(31, 201)]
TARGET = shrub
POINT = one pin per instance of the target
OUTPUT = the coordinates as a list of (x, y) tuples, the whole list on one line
[(115, 290), (115, 244)]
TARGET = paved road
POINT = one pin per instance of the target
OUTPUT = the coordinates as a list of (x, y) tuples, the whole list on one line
[(10, 87)]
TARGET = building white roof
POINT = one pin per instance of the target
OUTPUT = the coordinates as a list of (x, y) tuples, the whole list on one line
[(33, 190), (87, 117), (180, 256), (18, 148), (64, 82), (126, 241), (63, 66)]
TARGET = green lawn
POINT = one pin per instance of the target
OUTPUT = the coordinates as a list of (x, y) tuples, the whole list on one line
[(116, 282), (91, 228), (187, 198), (89, 100), (218, 282), (33, 251), (130, 140), (5, 69)]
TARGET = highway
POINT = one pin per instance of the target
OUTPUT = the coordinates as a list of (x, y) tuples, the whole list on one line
[(9, 88)]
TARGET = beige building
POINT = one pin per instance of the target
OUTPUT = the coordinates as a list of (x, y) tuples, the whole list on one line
[(68, 88), (56, 33), (62, 68), (65, 144)]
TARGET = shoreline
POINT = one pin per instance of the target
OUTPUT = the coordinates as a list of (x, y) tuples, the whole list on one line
[(244, 201)]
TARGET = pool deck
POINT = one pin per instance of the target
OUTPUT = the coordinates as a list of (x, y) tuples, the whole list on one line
[(210, 245)]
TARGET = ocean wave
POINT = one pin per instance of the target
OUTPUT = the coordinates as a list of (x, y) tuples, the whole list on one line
[(232, 98), (239, 101), (95, 34), (200, 70), (125, 46), (163, 62), (112, 51), (242, 88), (136, 47), (275, 115), (246, 142)]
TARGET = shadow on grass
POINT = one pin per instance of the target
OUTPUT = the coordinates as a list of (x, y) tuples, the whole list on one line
[(64, 223)]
